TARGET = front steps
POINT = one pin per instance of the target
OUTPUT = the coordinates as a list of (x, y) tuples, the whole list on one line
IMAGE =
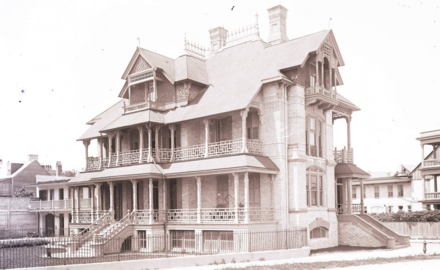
[(364, 230)]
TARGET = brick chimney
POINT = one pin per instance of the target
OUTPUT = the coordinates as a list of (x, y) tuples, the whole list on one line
[(59, 169), (277, 25), (218, 38), (32, 157)]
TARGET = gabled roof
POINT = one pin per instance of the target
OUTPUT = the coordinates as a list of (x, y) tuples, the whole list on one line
[(17, 172), (188, 67)]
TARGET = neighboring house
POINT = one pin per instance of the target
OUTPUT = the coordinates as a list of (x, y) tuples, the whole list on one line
[(235, 138), (391, 193), (21, 174)]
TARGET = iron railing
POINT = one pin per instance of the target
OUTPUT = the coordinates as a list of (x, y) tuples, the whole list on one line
[(52, 251)]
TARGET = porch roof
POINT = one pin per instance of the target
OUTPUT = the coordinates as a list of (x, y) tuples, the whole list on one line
[(220, 165), (135, 118), (348, 170)]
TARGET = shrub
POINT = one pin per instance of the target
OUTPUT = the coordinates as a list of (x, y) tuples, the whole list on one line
[(261, 259), (223, 261), (233, 260), (416, 216)]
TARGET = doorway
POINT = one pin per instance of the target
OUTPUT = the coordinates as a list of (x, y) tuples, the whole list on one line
[(117, 195), (50, 225)]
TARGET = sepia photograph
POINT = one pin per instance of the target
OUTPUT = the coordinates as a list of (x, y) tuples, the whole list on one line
[(264, 134)]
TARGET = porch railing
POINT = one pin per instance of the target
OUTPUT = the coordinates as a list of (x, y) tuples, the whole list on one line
[(344, 208), (431, 162), (187, 153), (343, 155), (432, 195), (318, 89), (52, 205), (130, 157), (220, 215), (225, 148), (143, 216), (93, 163)]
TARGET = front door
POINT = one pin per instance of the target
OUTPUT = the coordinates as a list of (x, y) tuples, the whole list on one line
[(254, 190), (173, 193), (50, 225)]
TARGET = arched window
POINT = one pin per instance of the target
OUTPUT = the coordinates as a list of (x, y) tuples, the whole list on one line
[(315, 186), (319, 232), (314, 137)]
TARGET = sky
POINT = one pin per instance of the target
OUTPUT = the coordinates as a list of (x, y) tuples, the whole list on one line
[(61, 64)]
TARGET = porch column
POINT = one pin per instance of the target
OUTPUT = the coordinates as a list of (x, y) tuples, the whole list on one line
[(362, 195), (77, 199), (330, 77), (344, 196), (348, 119), (236, 187), (206, 122), (150, 198), (423, 153), (86, 145), (246, 197), (141, 144), (111, 188), (156, 135), (98, 198), (172, 129), (101, 156), (199, 199), (350, 196), (150, 156), (92, 201), (110, 144), (317, 72), (164, 195), (135, 207), (72, 196), (322, 74), (244, 114), (117, 146)]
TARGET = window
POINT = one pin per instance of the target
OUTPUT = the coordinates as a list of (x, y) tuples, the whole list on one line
[(61, 194), (218, 241), (182, 239), (254, 190), (173, 193), (253, 125), (43, 195), (220, 129), (390, 191), (312, 75), (353, 191), (400, 208), (400, 190), (315, 187), (314, 137), (376, 192), (390, 209), (409, 208), (318, 232), (52, 193)]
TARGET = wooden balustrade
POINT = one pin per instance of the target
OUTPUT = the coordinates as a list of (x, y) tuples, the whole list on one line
[(318, 89), (343, 156), (50, 205), (215, 149), (432, 195), (343, 208), (431, 162)]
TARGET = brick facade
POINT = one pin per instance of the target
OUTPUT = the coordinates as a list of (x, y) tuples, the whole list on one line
[(351, 235)]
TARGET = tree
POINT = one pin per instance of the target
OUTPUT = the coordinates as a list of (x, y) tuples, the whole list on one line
[(22, 192), (71, 173)]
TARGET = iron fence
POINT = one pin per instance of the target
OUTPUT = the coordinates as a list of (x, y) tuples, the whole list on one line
[(52, 251)]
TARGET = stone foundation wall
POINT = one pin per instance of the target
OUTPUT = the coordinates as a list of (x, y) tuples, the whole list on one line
[(351, 235)]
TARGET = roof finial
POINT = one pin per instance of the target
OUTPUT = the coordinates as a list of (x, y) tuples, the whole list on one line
[(139, 42), (329, 23)]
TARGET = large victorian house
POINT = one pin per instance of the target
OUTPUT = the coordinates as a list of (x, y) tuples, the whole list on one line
[(237, 137)]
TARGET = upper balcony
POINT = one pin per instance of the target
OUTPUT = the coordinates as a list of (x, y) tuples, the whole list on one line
[(430, 162), (343, 155), (326, 99)]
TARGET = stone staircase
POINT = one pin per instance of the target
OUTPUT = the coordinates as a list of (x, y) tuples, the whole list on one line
[(369, 232), (400, 241)]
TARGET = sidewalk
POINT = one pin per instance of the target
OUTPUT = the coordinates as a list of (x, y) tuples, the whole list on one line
[(414, 249)]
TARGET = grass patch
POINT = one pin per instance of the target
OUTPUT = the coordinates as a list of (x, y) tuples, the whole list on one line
[(340, 264), (342, 249)]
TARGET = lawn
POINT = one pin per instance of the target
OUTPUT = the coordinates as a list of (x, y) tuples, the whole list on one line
[(340, 264)]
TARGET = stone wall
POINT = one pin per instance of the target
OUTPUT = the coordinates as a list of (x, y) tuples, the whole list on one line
[(352, 235)]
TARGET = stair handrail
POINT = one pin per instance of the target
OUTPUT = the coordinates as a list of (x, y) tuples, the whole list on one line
[(117, 227), (94, 227)]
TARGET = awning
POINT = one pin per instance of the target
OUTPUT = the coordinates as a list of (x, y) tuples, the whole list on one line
[(348, 170)]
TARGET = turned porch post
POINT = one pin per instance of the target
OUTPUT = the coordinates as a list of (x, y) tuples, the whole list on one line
[(350, 196), (101, 156), (92, 203), (72, 196), (150, 198), (164, 195), (134, 183), (156, 139), (98, 198), (206, 122), (77, 207), (150, 155), (141, 143), (244, 114), (246, 197), (86, 145), (110, 144), (317, 72), (348, 119), (117, 146), (322, 74), (172, 129), (111, 188), (236, 187), (199, 199), (362, 196)]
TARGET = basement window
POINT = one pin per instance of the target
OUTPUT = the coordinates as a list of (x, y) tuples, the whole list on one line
[(319, 232)]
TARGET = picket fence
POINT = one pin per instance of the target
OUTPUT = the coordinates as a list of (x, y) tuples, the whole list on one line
[(416, 230)]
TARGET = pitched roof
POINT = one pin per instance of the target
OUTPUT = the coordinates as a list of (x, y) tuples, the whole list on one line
[(135, 118), (17, 172), (102, 120), (235, 77), (343, 102), (350, 169)]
